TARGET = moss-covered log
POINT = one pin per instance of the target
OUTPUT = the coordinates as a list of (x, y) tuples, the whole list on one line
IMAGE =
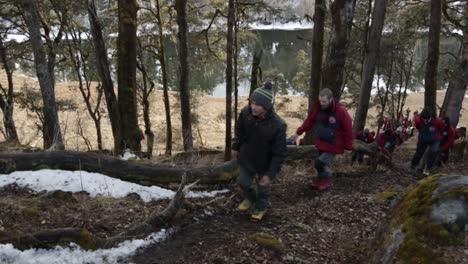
[(132, 171)]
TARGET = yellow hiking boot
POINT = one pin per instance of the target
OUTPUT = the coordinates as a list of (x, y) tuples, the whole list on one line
[(244, 205), (426, 172), (257, 215)]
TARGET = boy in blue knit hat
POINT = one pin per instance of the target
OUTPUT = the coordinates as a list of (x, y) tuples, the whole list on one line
[(260, 147)]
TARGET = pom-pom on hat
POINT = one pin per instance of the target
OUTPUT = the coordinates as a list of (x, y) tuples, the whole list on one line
[(263, 96)]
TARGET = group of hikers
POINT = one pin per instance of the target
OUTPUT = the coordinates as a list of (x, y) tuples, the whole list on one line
[(260, 142)]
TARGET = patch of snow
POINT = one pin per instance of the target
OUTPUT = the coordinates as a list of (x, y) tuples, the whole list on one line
[(76, 255), (128, 155), (92, 183)]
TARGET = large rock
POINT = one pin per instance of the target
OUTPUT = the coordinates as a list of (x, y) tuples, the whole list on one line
[(431, 217)]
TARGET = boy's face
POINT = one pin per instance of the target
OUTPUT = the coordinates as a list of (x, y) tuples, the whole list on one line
[(257, 110)]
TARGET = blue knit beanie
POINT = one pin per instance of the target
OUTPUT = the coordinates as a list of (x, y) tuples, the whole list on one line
[(263, 96)]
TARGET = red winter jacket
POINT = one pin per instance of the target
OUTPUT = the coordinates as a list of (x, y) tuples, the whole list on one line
[(333, 130), (448, 138), (365, 138)]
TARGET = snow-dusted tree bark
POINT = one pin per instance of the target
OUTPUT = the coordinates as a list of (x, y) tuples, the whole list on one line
[(373, 44), (181, 6), (430, 80), (52, 133), (342, 12)]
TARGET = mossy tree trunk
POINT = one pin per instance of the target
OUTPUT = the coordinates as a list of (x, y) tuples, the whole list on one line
[(342, 13), (181, 9), (126, 74), (162, 60), (316, 60), (229, 50)]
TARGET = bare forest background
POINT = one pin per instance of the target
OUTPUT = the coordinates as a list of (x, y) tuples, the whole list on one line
[(115, 75)]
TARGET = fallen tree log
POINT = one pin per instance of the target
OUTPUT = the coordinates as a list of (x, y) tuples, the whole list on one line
[(132, 171), (373, 151)]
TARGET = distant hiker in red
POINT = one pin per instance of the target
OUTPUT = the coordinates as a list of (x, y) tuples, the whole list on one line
[(430, 134), (333, 134), (448, 140), (366, 137), (387, 141), (259, 146)]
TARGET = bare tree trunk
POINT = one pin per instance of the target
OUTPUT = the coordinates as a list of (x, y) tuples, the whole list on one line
[(453, 100), (180, 6), (373, 44), (103, 70), (236, 54), (162, 60), (52, 133), (257, 58), (6, 99), (342, 12), (79, 62), (430, 84), (126, 74), (229, 49), (145, 93), (316, 60)]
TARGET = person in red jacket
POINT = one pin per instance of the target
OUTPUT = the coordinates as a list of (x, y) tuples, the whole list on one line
[(366, 137), (430, 134), (447, 142), (387, 141), (332, 135)]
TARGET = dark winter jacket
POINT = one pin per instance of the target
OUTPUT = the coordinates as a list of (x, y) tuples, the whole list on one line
[(333, 129), (261, 142), (431, 131)]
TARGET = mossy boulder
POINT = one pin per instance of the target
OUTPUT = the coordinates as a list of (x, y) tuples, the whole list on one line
[(431, 216)]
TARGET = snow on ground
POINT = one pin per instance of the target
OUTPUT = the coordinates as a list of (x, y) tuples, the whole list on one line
[(75, 255), (94, 184)]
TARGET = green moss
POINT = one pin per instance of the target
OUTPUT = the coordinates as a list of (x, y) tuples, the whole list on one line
[(29, 212), (229, 175), (385, 195), (422, 236), (266, 240), (457, 192), (41, 167), (86, 240)]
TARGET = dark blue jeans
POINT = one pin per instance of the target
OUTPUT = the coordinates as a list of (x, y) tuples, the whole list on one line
[(252, 190), (431, 157)]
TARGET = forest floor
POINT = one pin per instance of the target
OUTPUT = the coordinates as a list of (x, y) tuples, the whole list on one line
[(334, 226)]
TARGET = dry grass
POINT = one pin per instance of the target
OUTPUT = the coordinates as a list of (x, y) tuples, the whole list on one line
[(209, 132)]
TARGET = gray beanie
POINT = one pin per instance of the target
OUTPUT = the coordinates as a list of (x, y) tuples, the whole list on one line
[(263, 96)]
